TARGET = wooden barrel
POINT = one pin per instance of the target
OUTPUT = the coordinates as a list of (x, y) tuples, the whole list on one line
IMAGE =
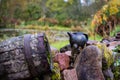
[(24, 57)]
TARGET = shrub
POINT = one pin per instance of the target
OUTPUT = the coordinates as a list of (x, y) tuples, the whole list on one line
[(48, 21), (110, 13)]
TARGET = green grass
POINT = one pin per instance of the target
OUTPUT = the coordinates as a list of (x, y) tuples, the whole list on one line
[(117, 29), (46, 27), (59, 44), (96, 37), (60, 28)]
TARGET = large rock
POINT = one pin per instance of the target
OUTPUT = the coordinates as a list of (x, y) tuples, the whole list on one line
[(108, 74), (89, 66), (63, 60), (91, 42), (113, 44), (68, 53), (70, 74), (65, 48)]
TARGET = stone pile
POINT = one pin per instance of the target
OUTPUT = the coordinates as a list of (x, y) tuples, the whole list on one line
[(71, 73)]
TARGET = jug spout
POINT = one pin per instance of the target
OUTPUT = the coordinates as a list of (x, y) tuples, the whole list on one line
[(70, 34)]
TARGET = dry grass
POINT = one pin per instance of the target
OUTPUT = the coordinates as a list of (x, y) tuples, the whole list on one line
[(76, 28)]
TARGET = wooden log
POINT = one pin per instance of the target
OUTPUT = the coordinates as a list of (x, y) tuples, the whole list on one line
[(17, 54)]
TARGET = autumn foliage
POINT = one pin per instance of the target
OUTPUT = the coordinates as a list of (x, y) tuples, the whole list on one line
[(107, 18)]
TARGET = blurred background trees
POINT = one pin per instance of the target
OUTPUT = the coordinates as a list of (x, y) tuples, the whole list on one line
[(14, 11)]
